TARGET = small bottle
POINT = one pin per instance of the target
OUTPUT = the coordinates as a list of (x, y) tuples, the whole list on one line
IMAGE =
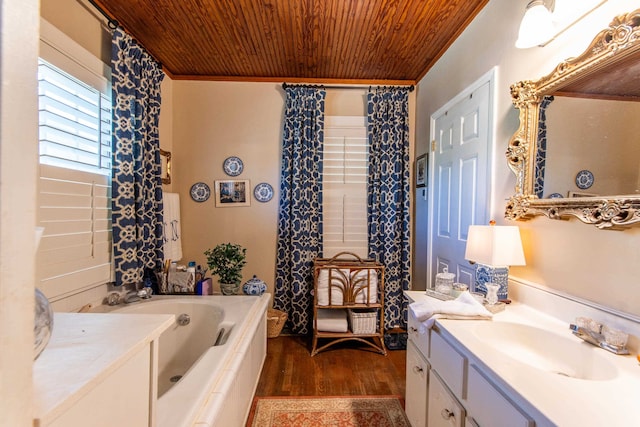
[(492, 293), (147, 287), (191, 268)]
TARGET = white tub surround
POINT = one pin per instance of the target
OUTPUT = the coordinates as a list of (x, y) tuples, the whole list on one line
[(218, 381), (490, 380), (98, 369), (219, 387)]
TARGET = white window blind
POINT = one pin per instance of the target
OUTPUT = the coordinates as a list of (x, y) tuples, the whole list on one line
[(345, 168), (74, 207), (75, 122), (74, 195)]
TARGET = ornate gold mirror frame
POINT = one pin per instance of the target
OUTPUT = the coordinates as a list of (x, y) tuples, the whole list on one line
[(612, 46)]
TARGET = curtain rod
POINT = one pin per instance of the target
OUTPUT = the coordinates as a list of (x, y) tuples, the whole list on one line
[(113, 24), (286, 85)]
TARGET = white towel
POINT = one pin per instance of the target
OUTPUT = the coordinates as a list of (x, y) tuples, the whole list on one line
[(332, 320), (463, 307), (360, 278), (172, 233)]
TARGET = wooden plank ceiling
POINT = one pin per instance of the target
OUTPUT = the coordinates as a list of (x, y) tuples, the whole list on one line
[(350, 41)]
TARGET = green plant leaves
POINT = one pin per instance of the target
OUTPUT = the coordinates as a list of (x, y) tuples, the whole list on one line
[(226, 261)]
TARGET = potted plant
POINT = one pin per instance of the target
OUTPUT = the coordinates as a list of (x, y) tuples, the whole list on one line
[(226, 261)]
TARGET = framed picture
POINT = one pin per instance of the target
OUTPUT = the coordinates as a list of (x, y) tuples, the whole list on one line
[(232, 193), (422, 163)]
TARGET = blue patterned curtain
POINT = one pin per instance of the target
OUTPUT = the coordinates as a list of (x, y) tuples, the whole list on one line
[(300, 214), (388, 195), (541, 152), (137, 183)]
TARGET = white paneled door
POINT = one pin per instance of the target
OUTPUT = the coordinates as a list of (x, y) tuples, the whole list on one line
[(461, 189)]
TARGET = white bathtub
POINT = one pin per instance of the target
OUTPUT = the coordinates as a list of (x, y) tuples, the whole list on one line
[(208, 369)]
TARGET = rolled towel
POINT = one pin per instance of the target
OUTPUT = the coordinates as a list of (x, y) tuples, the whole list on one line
[(463, 307), (332, 320)]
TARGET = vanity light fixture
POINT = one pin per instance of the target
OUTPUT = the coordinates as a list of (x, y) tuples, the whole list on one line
[(494, 248), (544, 20), (536, 26)]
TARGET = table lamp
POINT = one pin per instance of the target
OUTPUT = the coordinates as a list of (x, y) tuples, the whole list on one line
[(494, 248)]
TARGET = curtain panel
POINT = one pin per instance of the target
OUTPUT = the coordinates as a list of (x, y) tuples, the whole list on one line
[(300, 206), (389, 192), (541, 145), (136, 183)]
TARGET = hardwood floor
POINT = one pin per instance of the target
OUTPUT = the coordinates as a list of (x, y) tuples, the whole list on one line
[(345, 369)]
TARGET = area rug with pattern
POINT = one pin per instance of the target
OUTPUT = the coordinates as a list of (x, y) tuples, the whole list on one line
[(347, 411)]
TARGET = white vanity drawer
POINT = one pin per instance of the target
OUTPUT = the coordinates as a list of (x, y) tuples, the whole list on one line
[(417, 373), (444, 409), (450, 365), (418, 334), (489, 407)]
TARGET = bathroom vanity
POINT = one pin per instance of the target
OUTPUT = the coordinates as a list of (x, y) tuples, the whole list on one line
[(99, 370), (523, 368)]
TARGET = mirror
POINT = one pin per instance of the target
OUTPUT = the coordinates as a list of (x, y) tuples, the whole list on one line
[(604, 124), (165, 166), (575, 153)]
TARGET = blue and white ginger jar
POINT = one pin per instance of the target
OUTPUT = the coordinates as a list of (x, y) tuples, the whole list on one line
[(254, 286)]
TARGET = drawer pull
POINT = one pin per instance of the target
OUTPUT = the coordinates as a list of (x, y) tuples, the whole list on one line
[(417, 370), (446, 414), (412, 329)]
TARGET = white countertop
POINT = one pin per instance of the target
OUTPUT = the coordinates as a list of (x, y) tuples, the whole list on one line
[(83, 350), (563, 401)]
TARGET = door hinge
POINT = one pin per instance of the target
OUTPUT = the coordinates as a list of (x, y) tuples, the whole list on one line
[(434, 145)]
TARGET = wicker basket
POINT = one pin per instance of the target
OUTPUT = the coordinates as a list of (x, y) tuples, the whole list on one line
[(275, 322), (363, 321)]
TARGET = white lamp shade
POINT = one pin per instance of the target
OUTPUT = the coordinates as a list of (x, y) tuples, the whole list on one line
[(536, 27), (494, 245)]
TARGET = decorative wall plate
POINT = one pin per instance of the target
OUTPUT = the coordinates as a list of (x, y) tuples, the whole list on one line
[(200, 192), (233, 166), (555, 196), (584, 179), (263, 192)]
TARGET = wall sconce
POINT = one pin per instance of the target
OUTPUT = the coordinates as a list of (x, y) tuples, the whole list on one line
[(165, 166), (494, 248), (544, 20)]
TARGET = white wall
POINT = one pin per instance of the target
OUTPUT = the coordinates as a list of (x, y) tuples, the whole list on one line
[(215, 120), (18, 174), (567, 257)]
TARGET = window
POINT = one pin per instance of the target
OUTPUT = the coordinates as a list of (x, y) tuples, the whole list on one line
[(74, 197), (75, 122), (345, 170)]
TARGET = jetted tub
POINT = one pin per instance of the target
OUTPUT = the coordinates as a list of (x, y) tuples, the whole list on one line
[(210, 360)]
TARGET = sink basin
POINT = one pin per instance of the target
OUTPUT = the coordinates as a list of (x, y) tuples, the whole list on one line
[(550, 352)]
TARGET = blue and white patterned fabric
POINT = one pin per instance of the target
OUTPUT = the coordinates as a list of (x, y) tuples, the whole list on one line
[(541, 152), (388, 195), (300, 211), (137, 183)]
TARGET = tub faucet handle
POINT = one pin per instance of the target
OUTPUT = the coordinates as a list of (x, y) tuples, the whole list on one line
[(113, 298), (145, 292)]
